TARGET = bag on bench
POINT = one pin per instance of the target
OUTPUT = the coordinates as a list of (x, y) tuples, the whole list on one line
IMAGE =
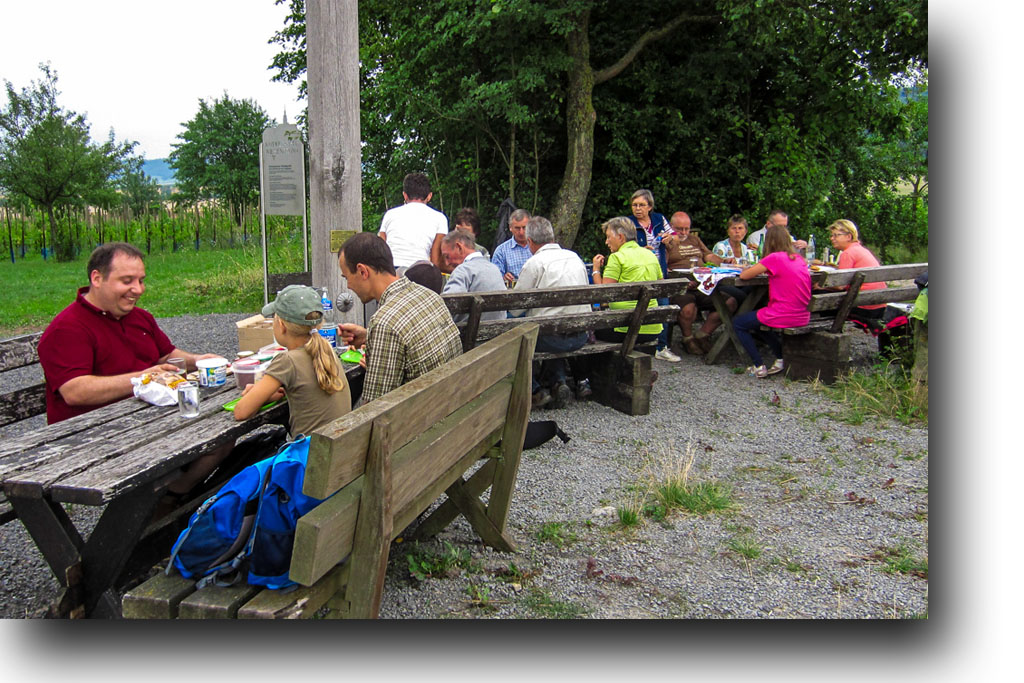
[(248, 526)]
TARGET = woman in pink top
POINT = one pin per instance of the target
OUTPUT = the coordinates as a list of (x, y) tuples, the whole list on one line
[(789, 292), (853, 255)]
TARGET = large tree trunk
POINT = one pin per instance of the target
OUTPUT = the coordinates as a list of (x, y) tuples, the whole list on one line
[(567, 212), (580, 117)]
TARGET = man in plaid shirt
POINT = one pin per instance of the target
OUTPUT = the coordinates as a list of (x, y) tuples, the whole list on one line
[(411, 332)]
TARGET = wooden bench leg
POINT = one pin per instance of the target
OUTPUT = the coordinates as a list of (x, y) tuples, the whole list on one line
[(512, 438), (822, 355), (372, 541), (621, 383), (446, 512)]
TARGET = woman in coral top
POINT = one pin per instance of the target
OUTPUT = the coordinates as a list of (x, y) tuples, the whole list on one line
[(789, 292), (853, 255)]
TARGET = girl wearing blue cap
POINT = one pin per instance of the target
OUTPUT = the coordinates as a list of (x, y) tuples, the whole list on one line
[(309, 372)]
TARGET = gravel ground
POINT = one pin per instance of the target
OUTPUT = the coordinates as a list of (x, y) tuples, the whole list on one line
[(817, 503)]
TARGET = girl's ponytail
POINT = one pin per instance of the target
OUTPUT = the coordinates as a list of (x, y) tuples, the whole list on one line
[(325, 363)]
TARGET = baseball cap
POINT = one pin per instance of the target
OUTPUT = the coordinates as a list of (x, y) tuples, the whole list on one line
[(294, 304)]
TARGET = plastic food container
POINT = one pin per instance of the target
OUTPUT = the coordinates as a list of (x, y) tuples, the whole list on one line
[(246, 372), (213, 372)]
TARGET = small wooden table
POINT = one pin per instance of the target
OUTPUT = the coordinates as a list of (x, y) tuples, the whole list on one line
[(120, 457)]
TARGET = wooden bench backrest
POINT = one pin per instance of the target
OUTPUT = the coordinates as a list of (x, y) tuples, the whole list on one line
[(827, 301), (431, 431), (20, 404), (562, 296)]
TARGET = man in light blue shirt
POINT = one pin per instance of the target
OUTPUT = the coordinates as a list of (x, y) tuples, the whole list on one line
[(472, 272), (511, 254)]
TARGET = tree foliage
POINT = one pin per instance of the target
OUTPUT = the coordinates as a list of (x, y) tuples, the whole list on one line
[(47, 156), (218, 155), (717, 106)]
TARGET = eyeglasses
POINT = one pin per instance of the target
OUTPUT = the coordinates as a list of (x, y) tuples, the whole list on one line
[(640, 205)]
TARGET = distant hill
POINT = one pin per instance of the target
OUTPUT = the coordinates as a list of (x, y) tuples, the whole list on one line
[(158, 169)]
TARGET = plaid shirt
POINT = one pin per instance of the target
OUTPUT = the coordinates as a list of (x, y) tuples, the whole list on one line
[(510, 256), (410, 334)]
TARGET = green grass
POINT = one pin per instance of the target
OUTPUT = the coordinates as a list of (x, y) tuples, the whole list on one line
[(425, 564), (902, 560), (745, 546), (885, 391), (699, 498), (183, 283), (557, 533), (546, 606)]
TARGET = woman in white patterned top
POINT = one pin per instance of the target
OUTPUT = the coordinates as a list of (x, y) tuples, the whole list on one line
[(733, 249)]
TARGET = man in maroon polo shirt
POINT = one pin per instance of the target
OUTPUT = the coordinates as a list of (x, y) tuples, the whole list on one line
[(93, 347)]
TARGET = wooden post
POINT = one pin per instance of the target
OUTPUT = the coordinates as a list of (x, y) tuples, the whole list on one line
[(335, 161)]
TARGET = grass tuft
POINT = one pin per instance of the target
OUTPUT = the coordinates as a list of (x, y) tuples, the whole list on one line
[(886, 391), (670, 481)]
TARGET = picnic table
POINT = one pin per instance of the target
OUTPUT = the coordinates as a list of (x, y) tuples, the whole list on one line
[(120, 457), (834, 307)]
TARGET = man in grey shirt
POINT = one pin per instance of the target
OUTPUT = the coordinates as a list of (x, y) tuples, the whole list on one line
[(472, 272)]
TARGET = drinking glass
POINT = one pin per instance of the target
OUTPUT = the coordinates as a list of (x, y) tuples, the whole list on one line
[(178, 363)]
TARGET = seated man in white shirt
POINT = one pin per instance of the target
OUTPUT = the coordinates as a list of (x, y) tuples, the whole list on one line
[(472, 272), (552, 266), (414, 230), (776, 217)]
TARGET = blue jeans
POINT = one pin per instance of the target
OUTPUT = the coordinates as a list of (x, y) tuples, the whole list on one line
[(554, 369), (663, 336), (747, 327)]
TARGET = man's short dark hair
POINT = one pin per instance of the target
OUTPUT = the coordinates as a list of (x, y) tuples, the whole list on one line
[(427, 274), (370, 250), (471, 217), (103, 255), (416, 186)]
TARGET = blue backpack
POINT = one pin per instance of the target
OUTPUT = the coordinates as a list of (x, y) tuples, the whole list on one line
[(248, 526)]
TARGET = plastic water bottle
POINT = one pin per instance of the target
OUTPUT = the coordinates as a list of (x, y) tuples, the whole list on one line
[(328, 305), (810, 249)]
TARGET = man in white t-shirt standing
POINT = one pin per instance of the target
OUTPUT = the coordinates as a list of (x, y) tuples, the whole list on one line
[(414, 230)]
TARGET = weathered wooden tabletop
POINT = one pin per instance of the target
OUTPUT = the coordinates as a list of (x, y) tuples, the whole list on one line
[(121, 457)]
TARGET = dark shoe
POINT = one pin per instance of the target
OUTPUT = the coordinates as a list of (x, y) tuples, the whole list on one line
[(563, 395), (541, 398), (692, 346), (583, 389), (704, 343)]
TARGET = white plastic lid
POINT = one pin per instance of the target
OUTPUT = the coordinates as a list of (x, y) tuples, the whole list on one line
[(211, 363)]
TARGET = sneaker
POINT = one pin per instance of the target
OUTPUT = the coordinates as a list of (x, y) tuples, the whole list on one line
[(563, 395), (692, 346), (583, 389), (704, 342), (758, 371), (777, 367), (541, 398), (666, 354)]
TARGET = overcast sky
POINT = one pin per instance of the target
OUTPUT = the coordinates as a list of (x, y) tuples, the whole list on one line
[(140, 67)]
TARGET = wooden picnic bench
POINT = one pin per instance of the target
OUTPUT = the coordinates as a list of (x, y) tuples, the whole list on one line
[(379, 468), (619, 374), (821, 349), (818, 349)]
